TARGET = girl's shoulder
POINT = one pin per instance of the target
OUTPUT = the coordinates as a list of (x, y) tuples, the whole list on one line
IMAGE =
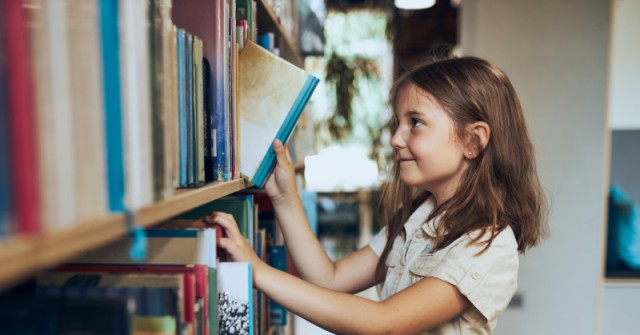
[(488, 245)]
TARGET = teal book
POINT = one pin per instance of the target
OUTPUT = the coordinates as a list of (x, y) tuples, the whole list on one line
[(112, 104), (272, 94), (240, 206)]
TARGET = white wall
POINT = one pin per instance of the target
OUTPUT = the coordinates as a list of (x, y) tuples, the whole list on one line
[(555, 52)]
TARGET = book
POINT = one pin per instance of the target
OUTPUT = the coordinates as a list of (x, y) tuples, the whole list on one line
[(6, 224), (182, 283), (110, 46), (136, 103), (21, 120), (148, 301), (200, 286), (272, 94), (240, 206), (53, 316), (206, 19), (87, 113), (235, 299), (277, 258)]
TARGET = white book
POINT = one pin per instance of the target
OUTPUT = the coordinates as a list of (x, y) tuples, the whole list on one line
[(53, 113), (235, 300), (136, 95), (272, 94), (87, 109)]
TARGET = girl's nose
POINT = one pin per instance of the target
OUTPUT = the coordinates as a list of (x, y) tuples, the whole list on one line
[(397, 140)]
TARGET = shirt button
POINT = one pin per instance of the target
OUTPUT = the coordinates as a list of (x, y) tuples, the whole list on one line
[(475, 275)]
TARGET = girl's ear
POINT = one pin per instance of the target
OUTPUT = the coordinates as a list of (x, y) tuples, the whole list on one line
[(477, 139)]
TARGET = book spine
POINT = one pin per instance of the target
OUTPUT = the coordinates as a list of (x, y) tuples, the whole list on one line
[(158, 110), (182, 107), (136, 103), (219, 67), (21, 122), (112, 107), (6, 207), (267, 164)]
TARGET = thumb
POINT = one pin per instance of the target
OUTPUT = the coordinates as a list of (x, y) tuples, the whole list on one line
[(282, 154)]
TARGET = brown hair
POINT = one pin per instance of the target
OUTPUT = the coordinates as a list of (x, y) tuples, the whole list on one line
[(501, 187)]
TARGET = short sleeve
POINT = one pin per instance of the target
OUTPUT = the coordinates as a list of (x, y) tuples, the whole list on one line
[(378, 242), (488, 280)]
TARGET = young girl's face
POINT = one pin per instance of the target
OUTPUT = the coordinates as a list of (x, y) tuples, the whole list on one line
[(431, 157)]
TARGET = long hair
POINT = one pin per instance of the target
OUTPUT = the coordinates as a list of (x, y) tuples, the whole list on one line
[(500, 188)]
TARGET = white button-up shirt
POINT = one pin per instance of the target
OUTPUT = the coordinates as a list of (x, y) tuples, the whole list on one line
[(488, 280)]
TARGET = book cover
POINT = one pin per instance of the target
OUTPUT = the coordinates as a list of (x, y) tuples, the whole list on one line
[(272, 94), (235, 298)]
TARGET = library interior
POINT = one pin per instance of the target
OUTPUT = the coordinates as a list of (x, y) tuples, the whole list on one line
[(125, 123)]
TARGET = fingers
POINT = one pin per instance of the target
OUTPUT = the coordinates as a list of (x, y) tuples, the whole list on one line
[(227, 222), (282, 152)]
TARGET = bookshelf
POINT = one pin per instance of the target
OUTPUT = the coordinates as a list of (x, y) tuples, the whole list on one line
[(23, 256)]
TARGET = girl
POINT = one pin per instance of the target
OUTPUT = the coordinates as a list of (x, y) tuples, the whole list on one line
[(463, 201)]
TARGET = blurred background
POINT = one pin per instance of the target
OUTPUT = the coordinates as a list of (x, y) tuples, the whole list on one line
[(574, 65)]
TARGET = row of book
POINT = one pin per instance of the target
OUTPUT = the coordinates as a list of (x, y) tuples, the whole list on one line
[(110, 105), (184, 285)]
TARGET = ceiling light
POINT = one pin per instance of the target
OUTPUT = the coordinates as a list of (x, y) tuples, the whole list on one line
[(414, 4)]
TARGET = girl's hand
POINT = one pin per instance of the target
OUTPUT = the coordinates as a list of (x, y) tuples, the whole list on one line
[(234, 243), (282, 182)]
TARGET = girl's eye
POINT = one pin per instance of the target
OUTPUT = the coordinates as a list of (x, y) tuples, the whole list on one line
[(415, 122)]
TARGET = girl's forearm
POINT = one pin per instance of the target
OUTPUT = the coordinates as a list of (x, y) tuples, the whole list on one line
[(335, 311), (309, 257)]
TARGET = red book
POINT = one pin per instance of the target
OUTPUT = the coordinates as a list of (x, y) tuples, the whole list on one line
[(21, 119)]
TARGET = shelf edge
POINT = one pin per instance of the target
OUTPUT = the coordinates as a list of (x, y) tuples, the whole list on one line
[(21, 256)]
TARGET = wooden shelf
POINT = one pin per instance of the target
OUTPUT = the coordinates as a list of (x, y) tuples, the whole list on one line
[(23, 256), (635, 282), (268, 22)]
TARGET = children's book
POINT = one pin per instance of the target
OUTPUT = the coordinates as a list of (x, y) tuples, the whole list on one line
[(235, 299), (271, 96)]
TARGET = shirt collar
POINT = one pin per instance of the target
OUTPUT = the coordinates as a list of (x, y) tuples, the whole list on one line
[(419, 216)]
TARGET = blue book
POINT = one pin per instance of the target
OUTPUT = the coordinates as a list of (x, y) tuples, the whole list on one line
[(272, 94), (182, 106), (277, 255), (112, 104), (188, 59)]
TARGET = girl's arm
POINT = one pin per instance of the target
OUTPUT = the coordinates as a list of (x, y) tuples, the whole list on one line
[(351, 274), (424, 305)]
